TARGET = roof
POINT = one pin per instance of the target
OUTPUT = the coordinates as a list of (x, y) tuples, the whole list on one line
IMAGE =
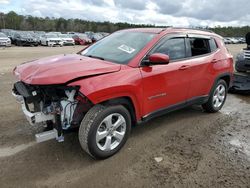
[(173, 29), (146, 30), (192, 31)]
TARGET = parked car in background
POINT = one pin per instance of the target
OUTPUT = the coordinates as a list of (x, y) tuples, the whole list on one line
[(39, 34), (51, 39), (129, 77), (35, 35), (6, 32), (104, 34), (56, 33), (22, 38), (4, 40), (89, 34), (67, 39), (96, 37), (234, 41), (242, 63), (227, 41), (81, 39), (71, 33), (242, 40), (9, 33)]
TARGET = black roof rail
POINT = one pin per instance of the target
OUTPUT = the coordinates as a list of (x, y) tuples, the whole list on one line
[(191, 28)]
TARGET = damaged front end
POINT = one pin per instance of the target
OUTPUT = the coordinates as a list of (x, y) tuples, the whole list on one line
[(59, 107)]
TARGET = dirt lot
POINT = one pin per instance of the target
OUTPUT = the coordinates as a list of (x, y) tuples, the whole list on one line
[(197, 149)]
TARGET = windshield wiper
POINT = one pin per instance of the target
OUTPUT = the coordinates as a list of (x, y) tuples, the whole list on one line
[(96, 57)]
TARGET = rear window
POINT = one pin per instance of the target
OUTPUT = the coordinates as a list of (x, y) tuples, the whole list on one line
[(199, 46), (202, 46), (213, 45)]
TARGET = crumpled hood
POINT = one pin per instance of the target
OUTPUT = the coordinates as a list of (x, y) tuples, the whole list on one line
[(61, 69)]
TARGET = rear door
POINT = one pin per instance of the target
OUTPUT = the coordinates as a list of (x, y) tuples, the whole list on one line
[(166, 85), (202, 52)]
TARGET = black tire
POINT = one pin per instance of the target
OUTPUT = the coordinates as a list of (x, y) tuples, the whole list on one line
[(209, 106), (18, 43), (92, 122)]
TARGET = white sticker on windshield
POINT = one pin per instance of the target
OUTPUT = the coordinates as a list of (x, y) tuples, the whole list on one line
[(126, 48)]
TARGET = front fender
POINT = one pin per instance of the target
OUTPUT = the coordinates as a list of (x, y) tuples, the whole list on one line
[(124, 83)]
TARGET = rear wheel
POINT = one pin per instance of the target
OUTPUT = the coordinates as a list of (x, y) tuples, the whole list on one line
[(104, 130), (217, 97)]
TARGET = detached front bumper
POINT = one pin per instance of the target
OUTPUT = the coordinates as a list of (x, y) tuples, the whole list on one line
[(33, 117), (39, 117)]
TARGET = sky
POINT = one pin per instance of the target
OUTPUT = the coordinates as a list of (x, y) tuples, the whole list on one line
[(183, 13)]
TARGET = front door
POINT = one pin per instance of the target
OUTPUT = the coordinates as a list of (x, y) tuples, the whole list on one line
[(166, 85)]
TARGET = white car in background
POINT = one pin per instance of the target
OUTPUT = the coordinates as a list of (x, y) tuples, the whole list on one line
[(51, 40), (67, 39), (234, 41), (4, 40)]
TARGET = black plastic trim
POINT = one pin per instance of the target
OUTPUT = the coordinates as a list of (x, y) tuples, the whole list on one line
[(196, 100), (220, 77)]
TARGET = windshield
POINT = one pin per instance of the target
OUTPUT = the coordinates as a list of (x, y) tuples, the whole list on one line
[(25, 35), (82, 36), (51, 36), (119, 47), (2, 35), (64, 36), (97, 36)]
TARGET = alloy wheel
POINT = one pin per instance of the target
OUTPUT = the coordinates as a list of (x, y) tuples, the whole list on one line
[(111, 132), (219, 95)]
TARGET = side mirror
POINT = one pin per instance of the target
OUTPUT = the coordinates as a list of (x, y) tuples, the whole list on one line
[(157, 59)]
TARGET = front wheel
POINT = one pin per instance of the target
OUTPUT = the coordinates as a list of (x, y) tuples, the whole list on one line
[(104, 130), (217, 97)]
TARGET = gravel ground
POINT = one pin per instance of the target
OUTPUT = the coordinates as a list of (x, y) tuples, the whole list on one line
[(193, 148)]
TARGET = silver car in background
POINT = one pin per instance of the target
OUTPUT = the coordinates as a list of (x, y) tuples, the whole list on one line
[(4, 40)]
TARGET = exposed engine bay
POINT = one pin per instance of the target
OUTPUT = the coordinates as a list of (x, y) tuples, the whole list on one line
[(59, 107)]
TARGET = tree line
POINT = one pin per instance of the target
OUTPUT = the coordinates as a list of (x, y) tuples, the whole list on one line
[(15, 21)]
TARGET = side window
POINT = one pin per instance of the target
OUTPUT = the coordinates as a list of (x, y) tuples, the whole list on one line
[(175, 48), (213, 45), (199, 46)]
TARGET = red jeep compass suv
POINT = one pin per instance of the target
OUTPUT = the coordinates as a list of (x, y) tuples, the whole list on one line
[(128, 77)]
